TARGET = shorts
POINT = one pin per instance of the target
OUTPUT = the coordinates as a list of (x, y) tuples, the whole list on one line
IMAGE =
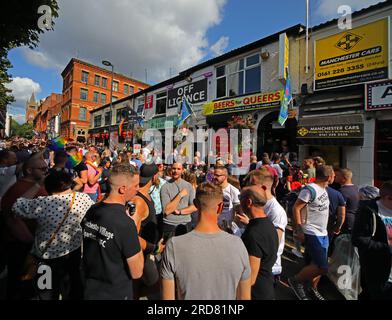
[(316, 250)]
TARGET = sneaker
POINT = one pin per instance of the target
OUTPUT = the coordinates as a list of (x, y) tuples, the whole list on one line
[(297, 253), (315, 294), (298, 289)]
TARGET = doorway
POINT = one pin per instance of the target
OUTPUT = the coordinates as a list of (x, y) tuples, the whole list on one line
[(270, 135)]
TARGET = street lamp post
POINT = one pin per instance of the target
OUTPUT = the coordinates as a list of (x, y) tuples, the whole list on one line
[(109, 64)]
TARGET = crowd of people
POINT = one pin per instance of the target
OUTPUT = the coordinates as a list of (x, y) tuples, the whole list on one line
[(121, 225)]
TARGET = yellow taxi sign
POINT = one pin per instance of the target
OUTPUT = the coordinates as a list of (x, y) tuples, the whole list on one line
[(354, 56)]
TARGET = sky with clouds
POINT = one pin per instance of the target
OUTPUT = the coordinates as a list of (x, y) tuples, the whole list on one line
[(162, 36)]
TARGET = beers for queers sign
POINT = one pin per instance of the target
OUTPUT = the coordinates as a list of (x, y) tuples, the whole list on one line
[(244, 103), (354, 56)]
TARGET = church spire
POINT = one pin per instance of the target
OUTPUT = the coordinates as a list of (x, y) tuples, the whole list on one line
[(32, 99)]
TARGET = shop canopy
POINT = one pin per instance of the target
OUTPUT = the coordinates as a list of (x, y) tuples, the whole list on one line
[(338, 130)]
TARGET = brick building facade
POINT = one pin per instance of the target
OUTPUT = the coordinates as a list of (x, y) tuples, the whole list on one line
[(86, 87)]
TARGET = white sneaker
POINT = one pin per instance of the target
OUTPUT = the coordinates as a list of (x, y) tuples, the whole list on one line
[(297, 253)]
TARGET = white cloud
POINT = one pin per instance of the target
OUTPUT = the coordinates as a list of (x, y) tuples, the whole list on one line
[(22, 88), (329, 8), (40, 59), (220, 46), (133, 34)]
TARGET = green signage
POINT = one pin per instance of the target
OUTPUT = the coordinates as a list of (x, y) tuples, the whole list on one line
[(162, 122)]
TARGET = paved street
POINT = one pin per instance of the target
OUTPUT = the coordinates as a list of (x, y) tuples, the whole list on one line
[(291, 265)]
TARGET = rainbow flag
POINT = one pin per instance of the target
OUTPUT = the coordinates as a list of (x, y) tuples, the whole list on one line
[(120, 127), (73, 161), (57, 144)]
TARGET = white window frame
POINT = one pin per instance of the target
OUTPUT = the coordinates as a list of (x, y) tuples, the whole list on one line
[(227, 76), (160, 98)]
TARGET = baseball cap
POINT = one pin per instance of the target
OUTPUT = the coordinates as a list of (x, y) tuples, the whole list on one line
[(147, 171)]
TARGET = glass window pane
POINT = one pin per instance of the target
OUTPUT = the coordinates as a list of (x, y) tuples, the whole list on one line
[(161, 95), (161, 106), (104, 82), (250, 61), (220, 71), (131, 90), (221, 87), (241, 64), (235, 84), (233, 67), (96, 80), (253, 80)]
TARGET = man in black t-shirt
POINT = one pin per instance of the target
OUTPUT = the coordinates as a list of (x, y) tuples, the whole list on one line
[(350, 193), (112, 256), (261, 241)]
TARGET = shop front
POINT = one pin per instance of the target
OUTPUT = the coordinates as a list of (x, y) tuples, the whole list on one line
[(258, 113), (328, 136)]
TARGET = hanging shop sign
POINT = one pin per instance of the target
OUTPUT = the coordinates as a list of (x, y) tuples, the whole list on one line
[(246, 103), (378, 95), (283, 56), (162, 122), (195, 92), (148, 102), (342, 130), (355, 56)]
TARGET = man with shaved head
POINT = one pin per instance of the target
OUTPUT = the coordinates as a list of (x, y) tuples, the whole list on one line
[(112, 256), (261, 241), (206, 263)]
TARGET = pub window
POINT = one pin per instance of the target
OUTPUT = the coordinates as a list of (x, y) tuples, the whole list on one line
[(140, 106), (107, 118), (239, 77), (161, 99), (97, 121), (121, 114)]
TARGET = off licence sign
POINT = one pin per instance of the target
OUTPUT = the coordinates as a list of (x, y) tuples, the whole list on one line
[(355, 56)]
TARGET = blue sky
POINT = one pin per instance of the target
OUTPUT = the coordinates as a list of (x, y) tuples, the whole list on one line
[(157, 35)]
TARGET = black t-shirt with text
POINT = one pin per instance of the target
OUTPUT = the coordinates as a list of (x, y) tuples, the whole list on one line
[(109, 239), (261, 241), (80, 167)]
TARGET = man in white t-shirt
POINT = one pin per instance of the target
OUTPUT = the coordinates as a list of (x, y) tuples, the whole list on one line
[(230, 198), (311, 212), (274, 211)]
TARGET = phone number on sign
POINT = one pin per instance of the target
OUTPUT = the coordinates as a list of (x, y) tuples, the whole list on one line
[(341, 70)]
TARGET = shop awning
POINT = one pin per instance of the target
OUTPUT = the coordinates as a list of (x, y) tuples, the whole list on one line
[(338, 130)]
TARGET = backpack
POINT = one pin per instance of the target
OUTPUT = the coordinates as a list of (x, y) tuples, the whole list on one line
[(293, 196)]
